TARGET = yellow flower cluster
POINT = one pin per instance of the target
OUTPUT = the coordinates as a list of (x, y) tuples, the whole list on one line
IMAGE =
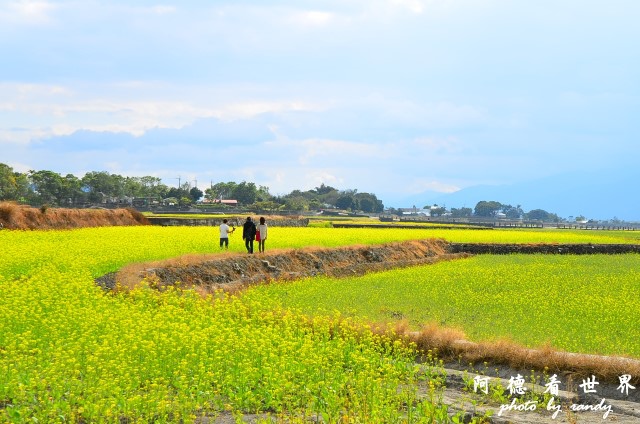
[(70, 353)]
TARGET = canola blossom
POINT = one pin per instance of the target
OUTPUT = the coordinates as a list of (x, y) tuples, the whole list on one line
[(70, 353)]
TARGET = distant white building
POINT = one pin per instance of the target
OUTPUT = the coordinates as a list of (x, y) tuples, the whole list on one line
[(415, 211), (230, 202)]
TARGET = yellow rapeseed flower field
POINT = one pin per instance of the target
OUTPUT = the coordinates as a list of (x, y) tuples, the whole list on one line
[(71, 353)]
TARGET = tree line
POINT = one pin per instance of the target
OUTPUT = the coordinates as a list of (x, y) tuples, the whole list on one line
[(496, 209), (38, 188), (493, 209)]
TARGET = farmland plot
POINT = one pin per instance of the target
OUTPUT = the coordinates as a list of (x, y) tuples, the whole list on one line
[(581, 303), (70, 353)]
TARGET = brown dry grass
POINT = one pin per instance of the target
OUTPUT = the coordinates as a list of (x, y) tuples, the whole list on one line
[(451, 345), (20, 217)]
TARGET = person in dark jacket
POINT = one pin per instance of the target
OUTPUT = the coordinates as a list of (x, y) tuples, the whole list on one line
[(249, 234)]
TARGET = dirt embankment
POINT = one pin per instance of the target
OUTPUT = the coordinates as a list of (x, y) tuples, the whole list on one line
[(19, 217), (232, 272)]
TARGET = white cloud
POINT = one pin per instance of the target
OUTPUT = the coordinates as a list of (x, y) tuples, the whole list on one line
[(163, 9), (322, 176), (28, 12), (428, 113), (41, 110), (311, 150), (415, 6), (247, 109), (313, 18), (434, 145)]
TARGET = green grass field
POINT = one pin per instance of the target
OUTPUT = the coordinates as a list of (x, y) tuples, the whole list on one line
[(584, 304)]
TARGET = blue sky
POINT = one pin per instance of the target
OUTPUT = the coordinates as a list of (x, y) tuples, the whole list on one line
[(395, 97)]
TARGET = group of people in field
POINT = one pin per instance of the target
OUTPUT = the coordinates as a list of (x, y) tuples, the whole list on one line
[(250, 233)]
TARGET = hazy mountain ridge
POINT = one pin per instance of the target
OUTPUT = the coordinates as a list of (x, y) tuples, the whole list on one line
[(602, 195)]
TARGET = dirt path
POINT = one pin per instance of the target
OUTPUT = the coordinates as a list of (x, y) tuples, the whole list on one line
[(235, 271)]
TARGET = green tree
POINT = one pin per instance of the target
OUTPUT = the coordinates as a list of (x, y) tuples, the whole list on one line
[(245, 193), (368, 202), (196, 194), (436, 210), (101, 185), (8, 185), (48, 187), (324, 189), (330, 198), (487, 208), (346, 201), (72, 193), (13, 185), (538, 215), (263, 194), (268, 205), (220, 191), (512, 212), (152, 187), (178, 193), (461, 212), (296, 203), (315, 204)]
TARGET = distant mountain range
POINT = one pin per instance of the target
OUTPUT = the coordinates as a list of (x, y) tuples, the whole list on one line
[(600, 196)]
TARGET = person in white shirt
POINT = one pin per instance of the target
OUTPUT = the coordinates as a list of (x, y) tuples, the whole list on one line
[(261, 235), (225, 230)]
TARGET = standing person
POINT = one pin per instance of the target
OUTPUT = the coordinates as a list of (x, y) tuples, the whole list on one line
[(249, 234), (262, 234), (225, 230)]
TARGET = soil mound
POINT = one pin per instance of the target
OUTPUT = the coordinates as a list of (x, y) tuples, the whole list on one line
[(232, 272), (19, 217)]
